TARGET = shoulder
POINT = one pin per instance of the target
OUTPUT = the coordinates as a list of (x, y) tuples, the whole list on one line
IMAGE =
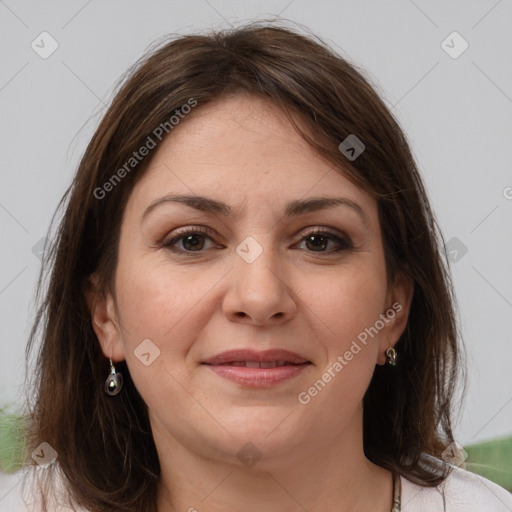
[(461, 491)]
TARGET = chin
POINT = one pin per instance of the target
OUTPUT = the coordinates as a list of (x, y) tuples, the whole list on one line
[(263, 435)]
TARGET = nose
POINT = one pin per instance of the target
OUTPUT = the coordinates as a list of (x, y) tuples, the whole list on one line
[(258, 293)]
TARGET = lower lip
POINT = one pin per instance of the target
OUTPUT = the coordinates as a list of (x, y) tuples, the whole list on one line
[(258, 377)]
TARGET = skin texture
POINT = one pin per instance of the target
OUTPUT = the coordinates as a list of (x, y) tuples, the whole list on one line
[(243, 151)]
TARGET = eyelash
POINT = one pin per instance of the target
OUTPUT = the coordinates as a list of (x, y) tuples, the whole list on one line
[(344, 243)]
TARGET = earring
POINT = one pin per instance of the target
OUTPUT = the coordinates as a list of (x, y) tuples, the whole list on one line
[(391, 355), (114, 381)]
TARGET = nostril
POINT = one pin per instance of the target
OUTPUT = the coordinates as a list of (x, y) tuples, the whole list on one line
[(241, 314)]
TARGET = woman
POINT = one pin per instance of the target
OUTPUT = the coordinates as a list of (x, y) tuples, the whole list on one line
[(247, 305)]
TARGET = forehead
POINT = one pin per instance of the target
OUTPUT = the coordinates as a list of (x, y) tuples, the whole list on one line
[(242, 149)]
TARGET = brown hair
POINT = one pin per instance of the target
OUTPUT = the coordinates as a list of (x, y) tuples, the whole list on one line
[(105, 447)]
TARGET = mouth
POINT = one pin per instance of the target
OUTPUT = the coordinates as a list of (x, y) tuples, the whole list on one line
[(275, 357), (258, 364), (257, 369)]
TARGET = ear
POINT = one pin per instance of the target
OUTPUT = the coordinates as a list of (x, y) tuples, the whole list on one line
[(396, 314), (101, 306)]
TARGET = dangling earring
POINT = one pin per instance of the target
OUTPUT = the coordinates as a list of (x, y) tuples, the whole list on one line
[(114, 381), (391, 355)]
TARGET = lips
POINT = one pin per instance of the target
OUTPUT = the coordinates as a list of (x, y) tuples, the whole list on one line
[(253, 369), (255, 359), (258, 364)]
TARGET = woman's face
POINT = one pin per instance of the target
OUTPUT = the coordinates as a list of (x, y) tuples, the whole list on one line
[(239, 237)]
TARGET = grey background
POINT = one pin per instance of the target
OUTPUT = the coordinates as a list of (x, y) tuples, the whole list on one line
[(456, 113)]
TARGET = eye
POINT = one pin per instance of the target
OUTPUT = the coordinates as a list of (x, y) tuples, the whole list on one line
[(198, 239), (320, 240), (190, 240)]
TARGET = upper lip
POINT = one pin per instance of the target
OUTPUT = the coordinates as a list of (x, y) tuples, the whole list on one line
[(254, 355)]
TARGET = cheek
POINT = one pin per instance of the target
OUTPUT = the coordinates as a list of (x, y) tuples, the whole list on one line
[(163, 304), (346, 301), (344, 310), (160, 305)]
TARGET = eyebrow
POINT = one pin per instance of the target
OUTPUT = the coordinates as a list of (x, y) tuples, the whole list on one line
[(292, 209)]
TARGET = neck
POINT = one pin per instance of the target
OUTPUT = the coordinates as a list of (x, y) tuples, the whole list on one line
[(327, 474)]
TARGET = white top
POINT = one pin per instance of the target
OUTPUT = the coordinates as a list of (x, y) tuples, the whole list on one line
[(462, 491)]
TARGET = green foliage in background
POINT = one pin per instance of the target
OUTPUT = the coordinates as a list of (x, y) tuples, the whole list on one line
[(492, 459), (12, 441)]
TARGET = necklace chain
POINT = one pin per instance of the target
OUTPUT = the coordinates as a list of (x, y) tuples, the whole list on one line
[(397, 493)]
